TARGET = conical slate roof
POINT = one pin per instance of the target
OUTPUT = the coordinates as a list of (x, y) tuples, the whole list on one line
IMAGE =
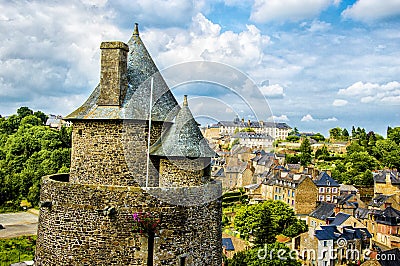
[(135, 105), (183, 139)]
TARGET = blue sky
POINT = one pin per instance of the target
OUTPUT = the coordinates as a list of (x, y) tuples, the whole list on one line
[(318, 63)]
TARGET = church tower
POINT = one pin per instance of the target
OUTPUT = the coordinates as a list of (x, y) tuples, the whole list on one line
[(129, 157)]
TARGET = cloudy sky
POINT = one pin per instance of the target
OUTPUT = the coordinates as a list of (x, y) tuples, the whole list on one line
[(318, 63)]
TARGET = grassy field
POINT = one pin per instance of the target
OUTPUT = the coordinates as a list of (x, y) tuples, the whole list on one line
[(17, 249)]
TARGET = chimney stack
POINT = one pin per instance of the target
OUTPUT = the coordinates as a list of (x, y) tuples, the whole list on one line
[(113, 73)]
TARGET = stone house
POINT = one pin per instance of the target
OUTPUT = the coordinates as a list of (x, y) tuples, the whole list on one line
[(253, 140), (349, 203), (324, 213), (298, 191), (129, 157), (234, 170), (338, 245), (328, 188), (387, 182), (385, 226), (263, 163)]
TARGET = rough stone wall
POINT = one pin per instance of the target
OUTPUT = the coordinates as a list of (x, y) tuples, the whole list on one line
[(113, 152), (113, 74), (385, 188), (305, 197), (184, 172), (75, 231)]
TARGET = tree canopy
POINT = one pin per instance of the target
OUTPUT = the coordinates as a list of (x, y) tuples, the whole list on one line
[(28, 151), (262, 222)]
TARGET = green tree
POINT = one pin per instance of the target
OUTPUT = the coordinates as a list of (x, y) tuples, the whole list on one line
[(322, 153), (292, 138), (294, 132), (24, 111), (345, 134), (335, 133), (42, 116), (266, 220), (318, 137), (292, 158), (394, 134), (305, 152), (255, 221)]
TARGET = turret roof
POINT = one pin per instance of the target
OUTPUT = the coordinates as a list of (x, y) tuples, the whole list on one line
[(183, 139), (135, 105)]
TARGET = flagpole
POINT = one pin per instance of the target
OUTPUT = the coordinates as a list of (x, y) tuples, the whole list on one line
[(149, 136)]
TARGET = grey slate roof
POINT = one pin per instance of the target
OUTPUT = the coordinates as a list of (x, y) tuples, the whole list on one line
[(183, 138), (361, 213), (136, 103), (381, 177), (323, 211), (331, 232), (340, 218), (390, 216), (379, 200), (324, 180)]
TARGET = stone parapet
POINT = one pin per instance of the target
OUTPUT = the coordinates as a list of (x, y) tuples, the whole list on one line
[(76, 229)]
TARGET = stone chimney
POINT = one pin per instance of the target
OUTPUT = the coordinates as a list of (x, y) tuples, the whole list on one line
[(113, 73), (261, 123), (249, 122), (388, 180)]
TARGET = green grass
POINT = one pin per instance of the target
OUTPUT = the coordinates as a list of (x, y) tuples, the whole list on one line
[(17, 249)]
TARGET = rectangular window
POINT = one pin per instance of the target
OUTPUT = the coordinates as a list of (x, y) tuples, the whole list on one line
[(292, 202), (328, 190), (334, 190), (321, 198), (328, 198), (321, 190), (293, 194)]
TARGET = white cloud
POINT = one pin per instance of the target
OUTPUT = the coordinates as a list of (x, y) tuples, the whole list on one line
[(307, 118), (339, 102), (369, 10), (374, 92), (281, 118), (282, 10), (47, 53), (317, 25), (331, 119), (205, 41), (273, 91)]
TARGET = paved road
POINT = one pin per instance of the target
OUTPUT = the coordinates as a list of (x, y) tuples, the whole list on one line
[(18, 224)]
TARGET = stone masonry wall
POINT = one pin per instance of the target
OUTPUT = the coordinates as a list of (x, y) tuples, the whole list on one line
[(113, 152), (184, 172), (75, 231), (113, 74), (306, 197)]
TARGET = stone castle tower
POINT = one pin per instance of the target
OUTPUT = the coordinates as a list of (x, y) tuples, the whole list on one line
[(86, 215)]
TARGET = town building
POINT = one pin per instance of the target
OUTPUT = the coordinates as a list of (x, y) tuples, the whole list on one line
[(387, 182), (273, 129), (296, 190), (253, 140), (328, 188)]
